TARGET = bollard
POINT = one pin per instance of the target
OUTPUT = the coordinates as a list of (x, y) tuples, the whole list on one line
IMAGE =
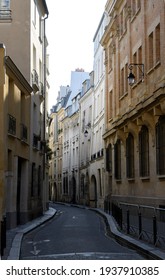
[(120, 218), (154, 230), (3, 235), (140, 224), (128, 222), (109, 207)]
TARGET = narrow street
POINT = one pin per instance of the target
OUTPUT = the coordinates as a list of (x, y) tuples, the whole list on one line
[(74, 233)]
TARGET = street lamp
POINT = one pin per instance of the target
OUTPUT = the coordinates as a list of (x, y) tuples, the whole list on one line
[(131, 76)]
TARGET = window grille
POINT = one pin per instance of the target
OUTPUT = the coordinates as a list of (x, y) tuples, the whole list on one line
[(160, 146), (24, 133), (117, 157), (11, 125), (130, 156), (109, 158), (144, 152)]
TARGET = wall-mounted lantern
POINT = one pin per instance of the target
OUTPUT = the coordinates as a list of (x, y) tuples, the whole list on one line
[(131, 76), (86, 133)]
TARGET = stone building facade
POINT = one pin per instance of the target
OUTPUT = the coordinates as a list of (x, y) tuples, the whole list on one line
[(134, 41), (15, 97), (22, 29)]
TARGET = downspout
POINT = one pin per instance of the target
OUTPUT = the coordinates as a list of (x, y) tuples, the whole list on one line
[(44, 116)]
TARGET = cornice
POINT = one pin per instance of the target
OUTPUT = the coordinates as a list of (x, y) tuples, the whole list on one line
[(17, 75)]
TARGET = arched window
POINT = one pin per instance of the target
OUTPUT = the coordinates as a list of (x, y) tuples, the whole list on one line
[(130, 156), (144, 152), (160, 146), (117, 159)]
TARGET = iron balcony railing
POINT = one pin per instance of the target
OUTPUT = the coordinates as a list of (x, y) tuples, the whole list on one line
[(24, 132), (144, 222), (35, 141), (11, 125), (5, 14), (35, 82)]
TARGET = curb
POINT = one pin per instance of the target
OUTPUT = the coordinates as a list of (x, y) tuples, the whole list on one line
[(16, 244), (143, 248)]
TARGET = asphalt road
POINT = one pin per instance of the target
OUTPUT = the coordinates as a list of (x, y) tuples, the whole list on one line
[(74, 233)]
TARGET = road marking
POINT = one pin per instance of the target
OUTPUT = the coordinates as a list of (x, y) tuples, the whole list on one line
[(38, 242), (35, 252), (90, 256)]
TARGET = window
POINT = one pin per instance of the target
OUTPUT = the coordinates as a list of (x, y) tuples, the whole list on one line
[(34, 13), (65, 184), (126, 76), (140, 62), (5, 12), (144, 152), (135, 69), (117, 159), (4, 4), (157, 43), (150, 53), (109, 107), (33, 178), (122, 82), (11, 125), (39, 180), (109, 158), (82, 182), (160, 146), (130, 156), (135, 6), (123, 20), (110, 58)]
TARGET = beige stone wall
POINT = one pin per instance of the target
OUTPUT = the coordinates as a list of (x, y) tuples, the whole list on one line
[(135, 34)]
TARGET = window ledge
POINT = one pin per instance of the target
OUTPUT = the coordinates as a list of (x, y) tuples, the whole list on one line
[(131, 180), (161, 177), (118, 181), (123, 95), (145, 178)]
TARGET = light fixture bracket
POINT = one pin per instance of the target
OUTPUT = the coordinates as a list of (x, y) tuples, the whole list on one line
[(131, 76)]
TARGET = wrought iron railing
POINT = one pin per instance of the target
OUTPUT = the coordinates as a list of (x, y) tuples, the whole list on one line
[(11, 125), (144, 222), (24, 132), (5, 14)]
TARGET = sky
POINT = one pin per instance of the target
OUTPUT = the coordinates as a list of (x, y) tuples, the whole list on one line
[(70, 30)]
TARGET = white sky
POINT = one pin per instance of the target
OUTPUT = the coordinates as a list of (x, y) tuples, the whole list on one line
[(70, 29)]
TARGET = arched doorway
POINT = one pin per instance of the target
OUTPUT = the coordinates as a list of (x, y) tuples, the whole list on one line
[(93, 192)]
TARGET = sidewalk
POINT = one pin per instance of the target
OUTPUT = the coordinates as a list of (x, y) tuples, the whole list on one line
[(14, 236)]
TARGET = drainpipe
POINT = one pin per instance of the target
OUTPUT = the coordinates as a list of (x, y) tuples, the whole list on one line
[(45, 206)]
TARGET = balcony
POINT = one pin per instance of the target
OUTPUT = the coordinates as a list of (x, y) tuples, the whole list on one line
[(41, 91), (5, 15), (24, 133), (11, 125), (35, 141), (35, 83)]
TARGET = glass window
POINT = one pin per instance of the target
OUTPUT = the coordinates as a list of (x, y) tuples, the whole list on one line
[(109, 158), (160, 146), (144, 152), (117, 159), (4, 4), (130, 156)]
